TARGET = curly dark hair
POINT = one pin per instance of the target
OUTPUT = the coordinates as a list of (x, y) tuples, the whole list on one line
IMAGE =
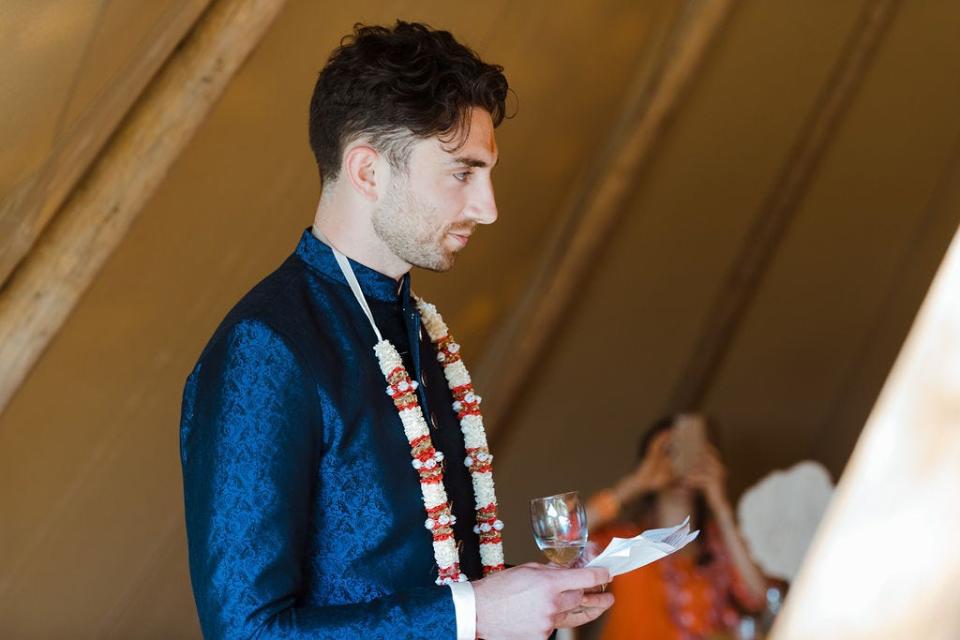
[(396, 85)]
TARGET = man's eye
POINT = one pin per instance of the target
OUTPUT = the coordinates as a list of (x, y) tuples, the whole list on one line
[(462, 176)]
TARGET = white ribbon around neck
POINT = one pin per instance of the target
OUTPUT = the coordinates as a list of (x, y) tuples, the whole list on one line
[(351, 277)]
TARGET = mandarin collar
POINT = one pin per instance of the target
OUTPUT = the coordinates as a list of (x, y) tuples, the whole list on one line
[(319, 257)]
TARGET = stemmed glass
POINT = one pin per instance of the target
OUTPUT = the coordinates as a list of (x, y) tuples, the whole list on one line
[(559, 527)]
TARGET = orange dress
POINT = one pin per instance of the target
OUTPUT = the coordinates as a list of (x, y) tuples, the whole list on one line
[(674, 598)]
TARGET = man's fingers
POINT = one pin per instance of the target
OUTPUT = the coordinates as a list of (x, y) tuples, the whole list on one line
[(569, 600), (580, 579), (596, 601), (580, 616)]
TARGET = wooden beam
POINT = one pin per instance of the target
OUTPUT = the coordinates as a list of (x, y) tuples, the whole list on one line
[(27, 209), (885, 564), (44, 289), (778, 208), (594, 211)]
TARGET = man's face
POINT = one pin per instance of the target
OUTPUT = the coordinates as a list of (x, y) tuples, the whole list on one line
[(426, 216)]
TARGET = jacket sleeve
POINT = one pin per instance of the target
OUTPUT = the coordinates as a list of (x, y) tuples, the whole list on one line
[(249, 445)]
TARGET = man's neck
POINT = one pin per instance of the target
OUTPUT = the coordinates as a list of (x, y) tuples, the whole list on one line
[(358, 241)]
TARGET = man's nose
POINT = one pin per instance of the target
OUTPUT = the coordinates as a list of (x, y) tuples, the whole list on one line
[(484, 205)]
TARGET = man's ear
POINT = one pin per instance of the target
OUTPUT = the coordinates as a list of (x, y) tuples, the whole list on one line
[(360, 164)]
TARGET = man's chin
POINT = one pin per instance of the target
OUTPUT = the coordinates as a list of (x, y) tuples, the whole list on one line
[(438, 266), (440, 257)]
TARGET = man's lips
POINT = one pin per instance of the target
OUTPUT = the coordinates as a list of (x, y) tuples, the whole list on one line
[(460, 238)]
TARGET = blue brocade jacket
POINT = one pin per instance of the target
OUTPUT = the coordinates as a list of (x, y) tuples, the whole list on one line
[(304, 515)]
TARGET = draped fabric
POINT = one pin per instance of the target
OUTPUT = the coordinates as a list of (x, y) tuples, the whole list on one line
[(304, 515)]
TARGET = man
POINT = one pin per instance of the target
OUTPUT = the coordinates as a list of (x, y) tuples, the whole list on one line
[(305, 510)]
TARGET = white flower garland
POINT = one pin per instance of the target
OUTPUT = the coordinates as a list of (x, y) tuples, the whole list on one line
[(429, 462)]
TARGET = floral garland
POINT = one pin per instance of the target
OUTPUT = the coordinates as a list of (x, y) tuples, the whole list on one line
[(429, 462)]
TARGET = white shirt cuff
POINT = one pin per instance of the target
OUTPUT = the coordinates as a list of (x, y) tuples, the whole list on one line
[(465, 605)]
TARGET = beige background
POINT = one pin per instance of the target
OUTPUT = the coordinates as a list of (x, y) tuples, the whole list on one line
[(91, 525)]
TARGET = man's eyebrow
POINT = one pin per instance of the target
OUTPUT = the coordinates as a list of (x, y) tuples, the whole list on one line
[(469, 161)]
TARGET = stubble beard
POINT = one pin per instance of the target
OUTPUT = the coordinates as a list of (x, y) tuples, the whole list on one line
[(407, 225)]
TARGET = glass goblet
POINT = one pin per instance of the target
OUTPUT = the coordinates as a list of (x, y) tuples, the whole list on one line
[(559, 527)]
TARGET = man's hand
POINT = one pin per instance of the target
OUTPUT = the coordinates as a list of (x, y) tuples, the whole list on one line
[(531, 600)]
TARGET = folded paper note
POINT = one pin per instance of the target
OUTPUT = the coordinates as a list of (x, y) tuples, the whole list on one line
[(626, 554)]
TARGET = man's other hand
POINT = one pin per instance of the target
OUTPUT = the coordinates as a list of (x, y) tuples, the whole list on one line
[(531, 600)]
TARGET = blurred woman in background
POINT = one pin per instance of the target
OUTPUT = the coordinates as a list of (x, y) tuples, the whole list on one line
[(698, 592)]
